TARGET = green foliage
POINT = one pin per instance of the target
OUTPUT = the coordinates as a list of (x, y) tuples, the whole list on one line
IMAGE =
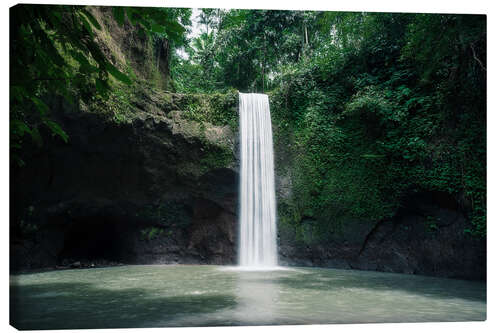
[(368, 126), (168, 214), (431, 224), (54, 53), (217, 108), (246, 48), (116, 105), (216, 158), (151, 233), (153, 20)]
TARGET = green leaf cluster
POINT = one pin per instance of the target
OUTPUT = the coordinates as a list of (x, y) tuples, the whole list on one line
[(54, 52)]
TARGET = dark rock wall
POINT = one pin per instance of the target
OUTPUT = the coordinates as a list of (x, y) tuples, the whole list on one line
[(131, 192), (427, 236), (408, 243)]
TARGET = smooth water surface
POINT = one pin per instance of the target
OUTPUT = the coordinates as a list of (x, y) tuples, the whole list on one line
[(178, 295), (257, 192)]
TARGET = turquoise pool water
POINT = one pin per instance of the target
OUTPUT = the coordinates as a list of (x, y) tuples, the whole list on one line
[(185, 295)]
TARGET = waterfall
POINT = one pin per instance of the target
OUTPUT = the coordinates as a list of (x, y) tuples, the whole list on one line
[(257, 196)]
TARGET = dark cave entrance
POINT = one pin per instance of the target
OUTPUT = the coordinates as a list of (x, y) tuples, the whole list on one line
[(97, 238)]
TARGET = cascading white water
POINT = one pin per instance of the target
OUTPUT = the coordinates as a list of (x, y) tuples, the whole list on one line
[(257, 196)]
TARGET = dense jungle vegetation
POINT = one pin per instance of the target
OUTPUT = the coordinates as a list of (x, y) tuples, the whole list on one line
[(376, 106), (367, 107)]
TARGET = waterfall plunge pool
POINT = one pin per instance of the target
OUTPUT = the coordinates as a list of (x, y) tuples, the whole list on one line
[(185, 295)]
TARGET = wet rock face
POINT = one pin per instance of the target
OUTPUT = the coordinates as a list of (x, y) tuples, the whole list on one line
[(149, 190), (127, 48), (426, 237)]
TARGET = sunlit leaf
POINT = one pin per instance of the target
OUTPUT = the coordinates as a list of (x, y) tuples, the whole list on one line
[(91, 19), (86, 23), (56, 130), (40, 105), (158, 28), (117, 74), (101, 87), (119, 15), (175, 27), (19, 127)]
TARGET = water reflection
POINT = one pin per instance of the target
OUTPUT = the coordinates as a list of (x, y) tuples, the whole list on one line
[(257, 295)]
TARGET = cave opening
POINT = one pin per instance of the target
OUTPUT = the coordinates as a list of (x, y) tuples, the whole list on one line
[(97, 238)]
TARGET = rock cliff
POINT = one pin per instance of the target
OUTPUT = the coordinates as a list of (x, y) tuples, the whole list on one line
[(153, 188)]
